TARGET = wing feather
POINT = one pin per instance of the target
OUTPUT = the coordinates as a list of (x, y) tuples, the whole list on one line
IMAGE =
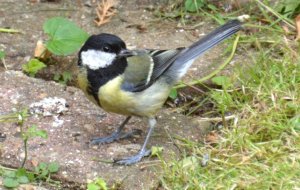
[(153, 64)]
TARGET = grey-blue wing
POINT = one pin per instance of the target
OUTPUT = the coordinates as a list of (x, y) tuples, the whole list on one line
[(149, 65), (146, 67)]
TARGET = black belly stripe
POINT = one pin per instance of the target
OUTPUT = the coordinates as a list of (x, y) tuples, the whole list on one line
[(101, 76), (95, 95)]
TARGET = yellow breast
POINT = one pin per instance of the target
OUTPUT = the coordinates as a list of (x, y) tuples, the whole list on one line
[(113, 99), (146, 103)]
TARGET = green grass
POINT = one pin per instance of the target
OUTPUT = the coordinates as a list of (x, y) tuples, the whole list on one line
[(261, 150), (260, 147)]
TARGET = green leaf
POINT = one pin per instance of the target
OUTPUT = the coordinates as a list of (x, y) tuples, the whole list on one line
[(212, 7), (33, 66), (10, 174), (173, 94), (41, 167), (65, 36), (10, 182), (23, 179), (64, 78), (93, 186), (56, 77), (193, 5), (2, 54), (41, 133), (295, 122), (24, 176), (43, 173), (221, 81), (67, 76), (289, 7), (224, 100), (21, 172), (100, 183), (190, 162), (34, 132), (53, 167), (30, 176), (156, 150)]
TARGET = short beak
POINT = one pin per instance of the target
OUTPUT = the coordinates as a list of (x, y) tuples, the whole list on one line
[(126, 53)]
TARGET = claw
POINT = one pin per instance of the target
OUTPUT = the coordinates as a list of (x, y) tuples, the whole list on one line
[(143, 152), (104, 140), (133, 159), (115, 137)]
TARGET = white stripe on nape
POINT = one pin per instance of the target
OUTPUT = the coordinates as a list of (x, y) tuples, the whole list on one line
[(96, 59)]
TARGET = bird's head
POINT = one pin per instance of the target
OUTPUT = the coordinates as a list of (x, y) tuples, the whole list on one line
[(100, 51)]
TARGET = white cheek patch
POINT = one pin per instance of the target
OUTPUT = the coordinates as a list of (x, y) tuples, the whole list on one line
[(96, 59)]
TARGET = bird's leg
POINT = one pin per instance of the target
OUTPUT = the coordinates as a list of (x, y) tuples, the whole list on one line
[(144, 151), (115, 135)]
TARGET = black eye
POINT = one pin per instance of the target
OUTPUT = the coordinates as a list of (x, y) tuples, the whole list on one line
[(106, 49)]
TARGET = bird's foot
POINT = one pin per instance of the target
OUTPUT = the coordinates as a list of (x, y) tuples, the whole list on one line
[(133, 159), (115, 137)]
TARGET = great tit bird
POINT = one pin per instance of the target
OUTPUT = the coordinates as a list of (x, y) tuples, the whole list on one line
[(137, 82)]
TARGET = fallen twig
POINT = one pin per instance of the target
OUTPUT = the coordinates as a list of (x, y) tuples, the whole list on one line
[(7, 30), (217, 119), (105, 10), (3, 61)]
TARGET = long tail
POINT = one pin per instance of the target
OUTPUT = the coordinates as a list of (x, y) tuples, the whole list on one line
[(188, 55)]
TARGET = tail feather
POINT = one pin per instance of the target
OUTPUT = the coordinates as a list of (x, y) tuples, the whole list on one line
[(188, 55)]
